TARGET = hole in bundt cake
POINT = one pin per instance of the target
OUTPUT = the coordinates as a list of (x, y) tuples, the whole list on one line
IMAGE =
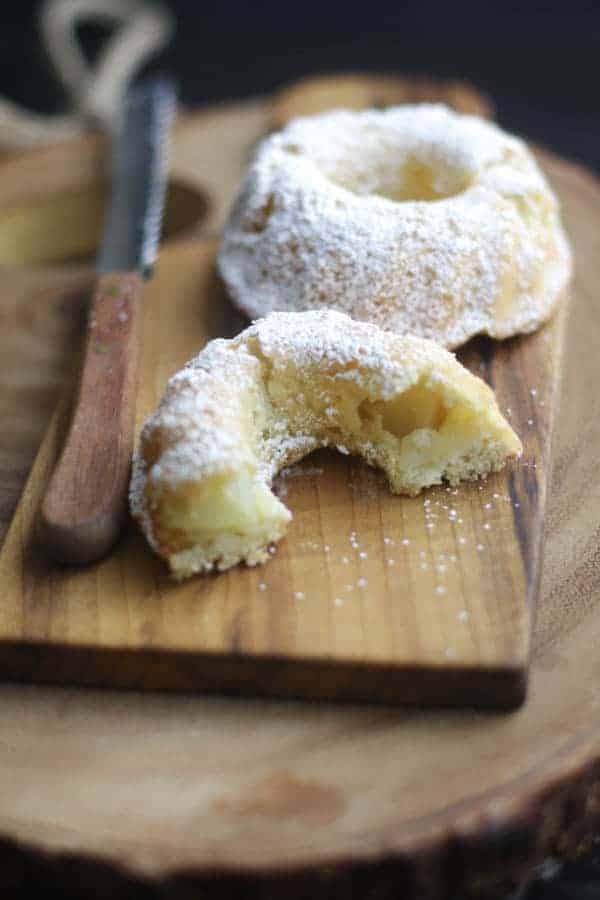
[(422, 182), (405, 180)]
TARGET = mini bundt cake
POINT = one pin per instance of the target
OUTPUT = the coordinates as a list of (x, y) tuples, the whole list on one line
[(416, 218), (244, 408)]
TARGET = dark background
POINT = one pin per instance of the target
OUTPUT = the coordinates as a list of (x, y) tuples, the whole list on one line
[(539, 61)]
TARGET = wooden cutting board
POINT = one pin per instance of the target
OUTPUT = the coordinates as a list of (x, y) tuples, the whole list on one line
[(118, 791), (371, 596)]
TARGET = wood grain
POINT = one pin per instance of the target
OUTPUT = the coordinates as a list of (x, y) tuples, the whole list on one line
[(113, 795)]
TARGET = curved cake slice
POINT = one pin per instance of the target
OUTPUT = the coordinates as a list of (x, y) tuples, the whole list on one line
[(245, 408)]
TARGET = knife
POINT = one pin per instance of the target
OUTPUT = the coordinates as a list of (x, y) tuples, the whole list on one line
[(85, 506)]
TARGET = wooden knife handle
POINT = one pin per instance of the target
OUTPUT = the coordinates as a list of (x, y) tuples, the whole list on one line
[(85, 505)]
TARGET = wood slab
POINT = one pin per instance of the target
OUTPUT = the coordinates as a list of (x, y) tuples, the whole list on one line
[(112, 795), (370, 596)]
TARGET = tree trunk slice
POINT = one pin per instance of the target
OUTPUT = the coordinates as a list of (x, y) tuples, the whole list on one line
[(134, 795)]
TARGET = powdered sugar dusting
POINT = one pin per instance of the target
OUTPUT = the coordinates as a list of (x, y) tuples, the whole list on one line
[(336, 211)]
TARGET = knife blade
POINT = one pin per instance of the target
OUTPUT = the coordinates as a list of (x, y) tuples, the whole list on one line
[(85, 506), (140, 162)]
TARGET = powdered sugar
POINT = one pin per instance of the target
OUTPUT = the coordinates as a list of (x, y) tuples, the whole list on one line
[(336, 211)]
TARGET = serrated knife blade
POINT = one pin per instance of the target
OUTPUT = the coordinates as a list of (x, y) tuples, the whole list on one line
[(140, 156)]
